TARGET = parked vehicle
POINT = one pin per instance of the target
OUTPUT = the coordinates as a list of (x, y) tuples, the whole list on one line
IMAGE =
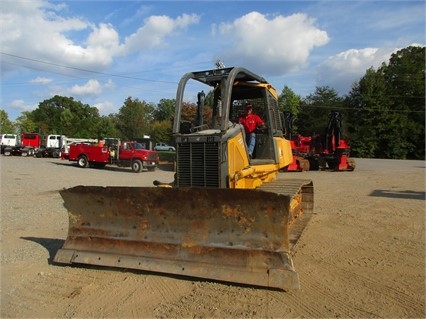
[(115, 152), (58, 145), (68, 141), (29, 145), (9, 140), (146, 142), (164, 147), (52, 148)]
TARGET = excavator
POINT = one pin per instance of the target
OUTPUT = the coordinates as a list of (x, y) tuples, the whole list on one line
[(224, 217)]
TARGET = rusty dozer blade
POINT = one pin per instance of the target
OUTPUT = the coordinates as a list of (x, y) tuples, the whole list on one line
[(229, 235)]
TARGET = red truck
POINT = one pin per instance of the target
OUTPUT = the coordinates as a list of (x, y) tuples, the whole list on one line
[(115, 152), (30, 144)]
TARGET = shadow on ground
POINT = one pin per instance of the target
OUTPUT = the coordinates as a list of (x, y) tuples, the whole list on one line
[(52, 245), (398, 194)]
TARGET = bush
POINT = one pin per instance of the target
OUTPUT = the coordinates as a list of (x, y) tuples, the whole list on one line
[(166, 156)]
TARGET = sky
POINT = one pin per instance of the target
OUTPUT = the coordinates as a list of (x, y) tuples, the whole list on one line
[(102, 52)]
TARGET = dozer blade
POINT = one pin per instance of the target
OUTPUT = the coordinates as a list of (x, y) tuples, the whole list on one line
[(229, 235)]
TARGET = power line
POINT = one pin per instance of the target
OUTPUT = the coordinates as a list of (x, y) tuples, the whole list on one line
[(86, 70), (360, 109)]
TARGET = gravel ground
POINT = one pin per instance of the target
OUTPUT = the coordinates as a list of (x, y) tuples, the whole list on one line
[(362, 254)]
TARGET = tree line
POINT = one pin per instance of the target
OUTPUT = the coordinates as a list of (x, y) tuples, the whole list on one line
[(383, 114)]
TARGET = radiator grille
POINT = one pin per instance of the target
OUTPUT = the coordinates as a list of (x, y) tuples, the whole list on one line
[(152, 156), (198, 164)]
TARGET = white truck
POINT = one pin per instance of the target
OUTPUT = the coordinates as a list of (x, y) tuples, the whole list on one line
[(58, 145), (52, 148), (9, 140)]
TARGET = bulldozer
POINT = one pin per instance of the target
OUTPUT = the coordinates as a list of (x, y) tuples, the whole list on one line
[(226, 216)]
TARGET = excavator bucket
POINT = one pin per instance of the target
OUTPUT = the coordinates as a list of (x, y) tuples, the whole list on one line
[(239, 236)]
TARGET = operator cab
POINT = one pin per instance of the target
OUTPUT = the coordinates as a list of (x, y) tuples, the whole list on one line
[(232, 88)]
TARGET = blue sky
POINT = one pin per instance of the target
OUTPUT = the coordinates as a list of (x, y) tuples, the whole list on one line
[(101, 52)]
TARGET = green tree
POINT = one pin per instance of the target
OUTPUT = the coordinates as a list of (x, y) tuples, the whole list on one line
[(165, 110), (66, 118), (367, 102), (161, 131), (106, 127), (64, 115), (405, 78), (387, 108), (209, 100), (315, 108), (134, 118), (6, 125), (25, 123), (289, 101)]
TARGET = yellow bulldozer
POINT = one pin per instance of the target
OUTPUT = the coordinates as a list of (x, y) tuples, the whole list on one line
[(226, 216)]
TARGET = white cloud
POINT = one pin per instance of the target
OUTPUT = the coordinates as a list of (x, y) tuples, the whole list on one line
[(155, 30), (20, 106), (343, 69), (276, 45), (41, 80), (101, 46), (91, 87), (106, 107), (36, 31)]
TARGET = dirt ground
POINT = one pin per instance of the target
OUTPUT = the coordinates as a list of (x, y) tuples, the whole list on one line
[(361, 255)]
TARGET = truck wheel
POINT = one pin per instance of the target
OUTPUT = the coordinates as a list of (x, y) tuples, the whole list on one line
[(82, 161), (136, 166)]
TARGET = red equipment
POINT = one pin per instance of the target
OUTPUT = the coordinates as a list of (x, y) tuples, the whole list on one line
[(30, 143), (320, 152), (299, 163), (122, 154), (330, 151)]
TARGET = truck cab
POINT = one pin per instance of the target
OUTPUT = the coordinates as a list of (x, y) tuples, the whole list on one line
[(9, 140), (112, 151), (135, 155), (28, 146)]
